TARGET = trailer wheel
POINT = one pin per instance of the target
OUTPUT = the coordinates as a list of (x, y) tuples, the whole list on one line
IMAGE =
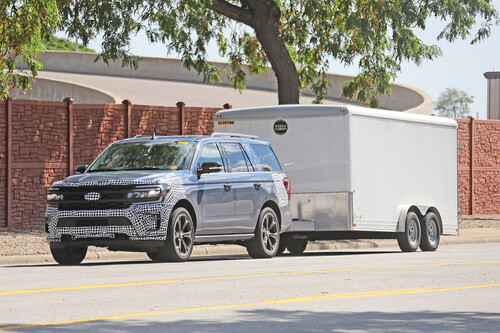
[(409, 240), (68, 255), (296, 247), (430, 233), (267, 235)]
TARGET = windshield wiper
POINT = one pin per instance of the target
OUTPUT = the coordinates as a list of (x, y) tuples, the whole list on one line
[(99, 170), (130, 169), (144, 168)]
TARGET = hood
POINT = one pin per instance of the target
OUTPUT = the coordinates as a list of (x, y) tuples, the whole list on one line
[(133, 177)]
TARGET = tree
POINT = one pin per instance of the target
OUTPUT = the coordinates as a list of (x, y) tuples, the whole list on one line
[(454, 103), (298, 38), (22, 25)]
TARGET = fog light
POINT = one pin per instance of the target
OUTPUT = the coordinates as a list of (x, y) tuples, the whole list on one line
[(54, 197)]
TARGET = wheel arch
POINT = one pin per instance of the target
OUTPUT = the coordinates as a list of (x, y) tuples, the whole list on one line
[(184, 203), (421, 211), (274, 206)]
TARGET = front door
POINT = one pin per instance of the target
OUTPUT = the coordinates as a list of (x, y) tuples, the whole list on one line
[(215, 196)]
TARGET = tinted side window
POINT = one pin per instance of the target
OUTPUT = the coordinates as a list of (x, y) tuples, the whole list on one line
[(267, 159), (235, 157), (210, 153)]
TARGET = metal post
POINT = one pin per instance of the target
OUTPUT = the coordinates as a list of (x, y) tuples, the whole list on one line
[(70, 101), (128, 107), (8, 179), (181, 106)]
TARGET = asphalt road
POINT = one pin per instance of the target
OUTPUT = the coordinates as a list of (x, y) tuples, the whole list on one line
[(456, 289)]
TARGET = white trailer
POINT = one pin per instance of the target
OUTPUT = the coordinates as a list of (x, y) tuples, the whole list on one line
[(360, 173)]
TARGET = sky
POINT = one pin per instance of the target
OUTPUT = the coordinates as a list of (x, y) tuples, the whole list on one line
[(461, 65)]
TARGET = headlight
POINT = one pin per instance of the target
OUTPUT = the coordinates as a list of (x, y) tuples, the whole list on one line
[(145, 194), (54, 197)]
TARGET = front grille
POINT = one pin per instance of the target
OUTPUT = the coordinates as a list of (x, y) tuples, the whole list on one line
[(111, 197), (72, 222), (93, 205)]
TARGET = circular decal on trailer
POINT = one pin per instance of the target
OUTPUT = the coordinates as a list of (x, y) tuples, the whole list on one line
[(280, 127)]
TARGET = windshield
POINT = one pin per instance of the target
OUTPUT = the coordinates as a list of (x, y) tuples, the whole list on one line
[(154, 155)]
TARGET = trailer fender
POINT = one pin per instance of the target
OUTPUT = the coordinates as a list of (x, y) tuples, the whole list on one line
[(422, 209)]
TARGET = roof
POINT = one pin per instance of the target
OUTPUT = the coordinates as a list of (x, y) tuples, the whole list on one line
[(313, 110), (214, 136)]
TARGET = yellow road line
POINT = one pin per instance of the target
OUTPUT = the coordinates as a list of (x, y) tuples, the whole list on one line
[(268, 302), (145, 283)]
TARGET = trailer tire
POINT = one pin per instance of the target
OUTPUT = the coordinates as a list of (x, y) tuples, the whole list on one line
[(430, 233), (296, 247), (68, 255), (409, 240), (266, 241)]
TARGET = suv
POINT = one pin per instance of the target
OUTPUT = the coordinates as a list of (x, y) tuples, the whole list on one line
[(163, 194)]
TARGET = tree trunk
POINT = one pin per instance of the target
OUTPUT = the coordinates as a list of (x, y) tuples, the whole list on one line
[(266, 25), (264, 17)]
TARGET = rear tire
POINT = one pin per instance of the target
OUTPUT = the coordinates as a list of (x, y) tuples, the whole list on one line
[(410, 239), (180, 238), (282, 246), (296, 247), (266, 241), (430, 233), (68, 255)]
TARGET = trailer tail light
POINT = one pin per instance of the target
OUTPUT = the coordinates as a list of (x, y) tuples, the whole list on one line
[(288, 187)]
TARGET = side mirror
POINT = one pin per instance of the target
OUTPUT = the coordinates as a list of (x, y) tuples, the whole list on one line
[(81, 168), (210, 166)]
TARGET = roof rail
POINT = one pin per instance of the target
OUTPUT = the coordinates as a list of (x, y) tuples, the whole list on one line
[(235, 135)]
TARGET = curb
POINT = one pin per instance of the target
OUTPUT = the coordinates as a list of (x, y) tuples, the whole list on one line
[(214, 250)]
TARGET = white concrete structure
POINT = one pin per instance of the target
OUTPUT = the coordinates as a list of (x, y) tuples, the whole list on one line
[(161, 81)]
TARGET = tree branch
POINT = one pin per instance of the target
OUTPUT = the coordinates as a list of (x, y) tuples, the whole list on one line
[(233, 12)]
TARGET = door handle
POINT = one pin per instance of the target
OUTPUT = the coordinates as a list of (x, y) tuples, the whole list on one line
[(228, 187), (257, 186)]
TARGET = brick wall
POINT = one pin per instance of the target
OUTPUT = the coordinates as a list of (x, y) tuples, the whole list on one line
[(41, 144), (479, 176)]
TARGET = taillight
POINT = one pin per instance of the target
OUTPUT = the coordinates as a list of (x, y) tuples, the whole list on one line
[(288, 187)]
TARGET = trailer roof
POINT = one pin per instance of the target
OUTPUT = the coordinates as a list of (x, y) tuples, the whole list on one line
[(312, 110)]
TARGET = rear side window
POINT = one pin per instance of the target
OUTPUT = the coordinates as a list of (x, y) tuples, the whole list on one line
[(267, 159), (235, 157)]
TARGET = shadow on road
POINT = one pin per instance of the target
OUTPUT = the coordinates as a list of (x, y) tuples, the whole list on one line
[(299, 321)]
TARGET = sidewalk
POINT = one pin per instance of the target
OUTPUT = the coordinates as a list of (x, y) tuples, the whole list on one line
[(467, 236)]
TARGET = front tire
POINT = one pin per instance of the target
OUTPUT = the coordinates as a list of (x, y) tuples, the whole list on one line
[(265, 244), (180, 238), (410, 239), (68, 255), (430, 233)]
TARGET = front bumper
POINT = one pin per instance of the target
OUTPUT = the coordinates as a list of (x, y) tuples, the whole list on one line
[(147, 222)]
